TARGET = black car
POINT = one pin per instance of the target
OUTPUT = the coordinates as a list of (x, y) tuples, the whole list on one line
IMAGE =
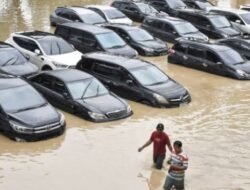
[(88, 38), (135, 79), (136, 11), (213, 25), (170, 7), (80, 93), (212, 58), (169, 28), (138, 38), (25, 114), (239, 44), (198, 4), (13, 62)]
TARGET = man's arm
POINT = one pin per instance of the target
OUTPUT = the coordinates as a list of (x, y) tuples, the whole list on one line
[(145, 145)]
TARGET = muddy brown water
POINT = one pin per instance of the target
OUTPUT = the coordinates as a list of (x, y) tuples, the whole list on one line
[(214, 127)]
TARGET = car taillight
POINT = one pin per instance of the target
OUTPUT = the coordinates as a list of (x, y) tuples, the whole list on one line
[(171, 51)]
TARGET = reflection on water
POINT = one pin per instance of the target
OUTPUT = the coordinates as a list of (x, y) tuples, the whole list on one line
[(214, 128)]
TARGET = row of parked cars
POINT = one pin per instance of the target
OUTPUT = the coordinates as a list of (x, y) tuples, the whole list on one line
[(89, 65)]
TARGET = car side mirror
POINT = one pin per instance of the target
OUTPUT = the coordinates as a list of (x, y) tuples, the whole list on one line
[(129, 82), (38, 52), (65, 95), (219, 63)]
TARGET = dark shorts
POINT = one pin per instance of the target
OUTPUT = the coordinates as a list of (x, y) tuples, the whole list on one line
[(158, 160), (170, 182)]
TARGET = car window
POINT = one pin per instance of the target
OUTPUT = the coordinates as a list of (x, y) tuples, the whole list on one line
[(158, 4), (59, 87), (85, 64), (76, 36), (203, 22), (63, 32), (220, 22), (213, 57), (25, 43), (65, 14), (180, 47), (88, 39), (231, 57), (107, 71), (185, 28), (140, 35), (11, 56), (168, 28), (74, 17), (45, 80), (114, 14), (203, 4), (196, 52), (191, 5), (146, 8)]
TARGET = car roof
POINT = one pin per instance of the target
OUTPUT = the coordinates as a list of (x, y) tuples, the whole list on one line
[(101, 7), (36, 34), (124, 62), (233, 10), (7, 81), (68, 75), (80, 10), (166, 18), (87, 27)]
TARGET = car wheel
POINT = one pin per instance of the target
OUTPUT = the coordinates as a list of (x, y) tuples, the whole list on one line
[(46, 68), (147, 102)]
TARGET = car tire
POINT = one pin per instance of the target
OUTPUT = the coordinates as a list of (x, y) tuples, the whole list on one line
[(46, 68)]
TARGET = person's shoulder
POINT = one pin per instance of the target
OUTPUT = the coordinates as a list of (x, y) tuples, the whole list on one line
[(184, 155)]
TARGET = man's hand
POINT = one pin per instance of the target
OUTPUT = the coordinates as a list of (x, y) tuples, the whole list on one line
[(140, 149)]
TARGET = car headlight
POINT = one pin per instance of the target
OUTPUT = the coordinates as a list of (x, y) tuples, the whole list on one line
[(241, 73), (129, 109), (21, 129), (160, 99), (148, 49), (62, 119), (97, 116)]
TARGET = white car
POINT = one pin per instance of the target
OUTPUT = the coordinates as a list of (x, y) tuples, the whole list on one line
[(45, 50), (240, 19), (111, 14), (245, 7)]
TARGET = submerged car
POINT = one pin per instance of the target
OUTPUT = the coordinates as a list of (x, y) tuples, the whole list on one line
[(135, 10), (170, 29), (45, 50), (239, 44), (110, 14), (210, 57), (88, 38), (13, 62), (82, 94), (135, 79), (25, 114), (75, 14), (142, 41)]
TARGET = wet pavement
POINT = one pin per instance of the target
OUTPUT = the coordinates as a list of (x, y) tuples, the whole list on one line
[(214, 128)]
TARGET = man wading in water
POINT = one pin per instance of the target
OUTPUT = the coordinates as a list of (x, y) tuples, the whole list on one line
[(160, 140)]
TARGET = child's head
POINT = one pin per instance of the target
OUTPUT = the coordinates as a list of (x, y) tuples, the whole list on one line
[(178, 146)]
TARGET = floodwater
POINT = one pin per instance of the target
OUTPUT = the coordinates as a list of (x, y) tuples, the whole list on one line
[(214, 128)]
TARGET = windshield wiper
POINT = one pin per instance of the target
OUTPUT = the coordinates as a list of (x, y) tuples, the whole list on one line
[(86, 89), (240, 63), (117, 46), (157, 83), (8, 61)]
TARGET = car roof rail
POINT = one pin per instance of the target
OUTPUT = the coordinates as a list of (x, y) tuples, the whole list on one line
[(194, 39), (3, 75)]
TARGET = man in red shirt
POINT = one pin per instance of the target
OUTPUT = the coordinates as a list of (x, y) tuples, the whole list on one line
[(160, 139)]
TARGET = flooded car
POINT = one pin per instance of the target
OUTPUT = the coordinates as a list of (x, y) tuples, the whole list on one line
[(170, 28), (75, 14), (141, 40), (13, 62), (212, 58), (79, 93), (135, 79), (88, 38), (45, 50), (25, 114)]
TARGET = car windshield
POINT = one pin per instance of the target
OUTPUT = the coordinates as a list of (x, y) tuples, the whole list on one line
[(220, 22), (114, 13), (110, 40), (231, 57), (149, 75), (52, 45), (175, 4), (11, 56), (93, 18), (140, 35), (86, 88), (203, 4), (146, 8), (20, 98), (185, 28), (246, 17)]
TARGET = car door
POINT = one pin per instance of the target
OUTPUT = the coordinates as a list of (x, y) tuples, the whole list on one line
[(28, 48), (169, 33), (180, 54), (215, 64), (157, 30), (196, 57)]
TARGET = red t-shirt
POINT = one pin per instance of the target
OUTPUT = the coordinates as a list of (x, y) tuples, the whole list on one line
[(160, 140)]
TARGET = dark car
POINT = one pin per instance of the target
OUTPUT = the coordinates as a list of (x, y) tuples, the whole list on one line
[(169, 28), (75, 14), (138, 38), (212, 58), (13, 62), (170, 7), (239, 44), (80, 93), (136, 11), (198, 4), (213, 25), (88, 38), (24, 113), (135, 79)]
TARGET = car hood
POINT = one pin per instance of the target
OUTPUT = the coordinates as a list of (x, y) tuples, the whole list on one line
[(104, 104), (70, 59), (20, 70), (123, 51), (243, 67), (169, 89), (37, 117), (229, 31), (155, 44), (121, 21)]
